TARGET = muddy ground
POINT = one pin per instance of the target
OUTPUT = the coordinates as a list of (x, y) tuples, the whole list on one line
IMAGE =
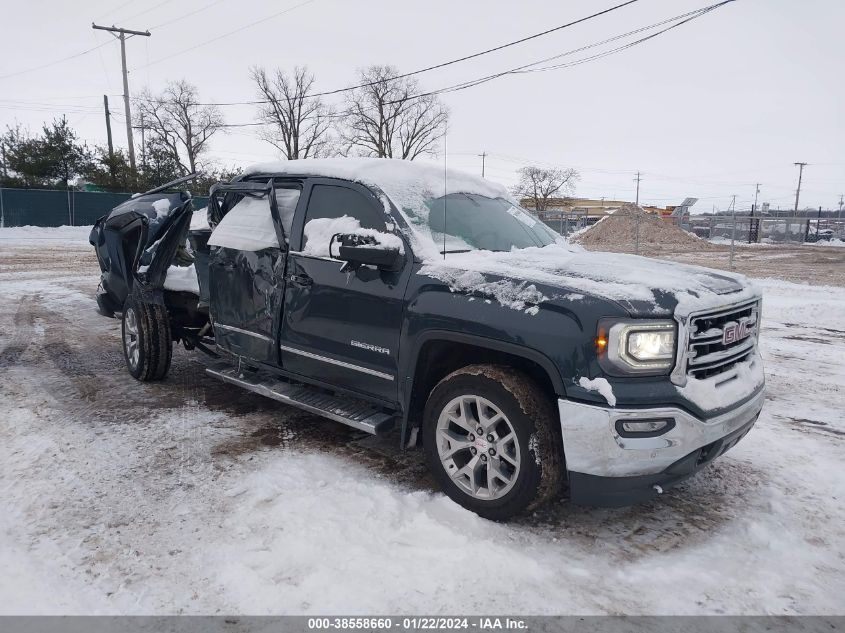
[(804, 264)]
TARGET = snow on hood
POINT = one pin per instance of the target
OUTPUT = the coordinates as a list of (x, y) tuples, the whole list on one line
[(614, 276)]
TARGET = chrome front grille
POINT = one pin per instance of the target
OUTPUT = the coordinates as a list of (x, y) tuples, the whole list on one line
[(710, 351)]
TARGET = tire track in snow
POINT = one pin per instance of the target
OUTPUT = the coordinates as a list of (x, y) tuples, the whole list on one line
[(23, 333)]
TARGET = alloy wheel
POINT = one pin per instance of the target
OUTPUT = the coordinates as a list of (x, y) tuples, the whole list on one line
[(478, 447), (130, 337)]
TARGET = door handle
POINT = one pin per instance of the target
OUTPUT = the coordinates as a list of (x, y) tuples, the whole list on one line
[(300, 280)]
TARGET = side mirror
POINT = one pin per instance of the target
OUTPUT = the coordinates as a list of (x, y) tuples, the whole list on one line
[(364, 250)]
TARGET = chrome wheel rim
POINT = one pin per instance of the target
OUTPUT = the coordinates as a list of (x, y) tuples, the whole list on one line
[(130, 337), (478, 447)]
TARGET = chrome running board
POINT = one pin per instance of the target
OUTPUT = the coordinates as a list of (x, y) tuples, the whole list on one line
[(355, 413)]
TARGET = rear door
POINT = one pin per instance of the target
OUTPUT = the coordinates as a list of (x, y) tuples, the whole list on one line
[(341, 328), (247, 263)]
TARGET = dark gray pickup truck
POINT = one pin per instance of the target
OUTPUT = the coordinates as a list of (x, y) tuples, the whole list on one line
[(394, 297)]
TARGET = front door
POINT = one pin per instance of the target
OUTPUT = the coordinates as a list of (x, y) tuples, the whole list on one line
[(247, 274), (341, 327)]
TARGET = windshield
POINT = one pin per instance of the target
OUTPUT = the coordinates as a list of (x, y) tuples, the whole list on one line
[(462, 222)]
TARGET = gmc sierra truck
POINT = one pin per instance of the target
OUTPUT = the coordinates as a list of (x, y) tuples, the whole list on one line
[(401, 298)]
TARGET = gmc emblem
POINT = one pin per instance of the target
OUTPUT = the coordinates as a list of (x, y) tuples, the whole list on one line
[(734, 332)]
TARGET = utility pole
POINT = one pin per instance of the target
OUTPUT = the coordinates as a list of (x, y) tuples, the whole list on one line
[(6, 173), (756, 193), (483, 158), (841, 199), (122, 33), (733, 232), (108, 136), (143, 143), (798, 191), (638, 178)]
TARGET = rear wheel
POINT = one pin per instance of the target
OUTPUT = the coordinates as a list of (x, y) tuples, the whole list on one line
[(147, 343), (490, 441)]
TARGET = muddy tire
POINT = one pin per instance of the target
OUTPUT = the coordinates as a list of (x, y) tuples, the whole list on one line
[(147, 344), (491, 441)]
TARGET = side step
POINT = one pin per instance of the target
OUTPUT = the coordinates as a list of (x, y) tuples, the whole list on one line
[(355, 413)]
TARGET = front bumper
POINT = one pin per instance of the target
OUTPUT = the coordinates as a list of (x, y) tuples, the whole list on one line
[(610, 470)]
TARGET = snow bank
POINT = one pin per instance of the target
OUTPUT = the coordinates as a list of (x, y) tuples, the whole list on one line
[(35, 235), (834, 242), (319, 232), (726, 241)]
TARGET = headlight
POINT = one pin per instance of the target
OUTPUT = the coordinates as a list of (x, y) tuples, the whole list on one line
[(651, 345), (637, 346)]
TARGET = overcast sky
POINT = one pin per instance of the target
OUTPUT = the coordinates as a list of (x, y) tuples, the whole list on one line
[(705, 110)]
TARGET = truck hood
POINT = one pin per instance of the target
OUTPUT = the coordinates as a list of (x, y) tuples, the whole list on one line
[(643, 286)]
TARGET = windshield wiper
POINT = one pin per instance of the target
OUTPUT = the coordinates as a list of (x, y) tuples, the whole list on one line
[(472, 250)]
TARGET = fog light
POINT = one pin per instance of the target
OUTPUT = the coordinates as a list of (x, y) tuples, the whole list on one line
[(644, 428)]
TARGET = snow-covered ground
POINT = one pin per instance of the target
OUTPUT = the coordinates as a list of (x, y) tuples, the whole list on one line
[(191, 497), (37, 235)]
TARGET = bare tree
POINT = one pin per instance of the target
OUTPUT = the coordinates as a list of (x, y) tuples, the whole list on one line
[(298, 122), (386, 118), (179, 123), (540, 184)]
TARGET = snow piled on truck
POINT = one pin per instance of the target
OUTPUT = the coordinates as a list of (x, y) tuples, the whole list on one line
[(407, 184), (614, 276), (517, 295), (199, 220), (182, 279), (601, 385), (319, 232), (248, 226)]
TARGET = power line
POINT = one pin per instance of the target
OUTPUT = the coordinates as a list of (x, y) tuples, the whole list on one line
[(115, 9), (494, 49), (145, 11), (220, 37), (475, 82), (427, 68), (187, 15), (98, 46), (55, 62)]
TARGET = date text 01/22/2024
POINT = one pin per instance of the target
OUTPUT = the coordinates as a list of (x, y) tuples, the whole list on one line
[(418, 623)]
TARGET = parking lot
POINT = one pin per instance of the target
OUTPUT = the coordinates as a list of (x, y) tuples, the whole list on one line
[(189, 496)]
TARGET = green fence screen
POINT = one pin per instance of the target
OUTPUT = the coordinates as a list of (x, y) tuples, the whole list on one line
[(57, 207)]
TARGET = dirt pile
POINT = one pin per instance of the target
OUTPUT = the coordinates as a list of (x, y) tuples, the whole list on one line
[(630, 224)]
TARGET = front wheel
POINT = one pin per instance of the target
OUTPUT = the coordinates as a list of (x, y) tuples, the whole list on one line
[(490, 440), (147, 344)]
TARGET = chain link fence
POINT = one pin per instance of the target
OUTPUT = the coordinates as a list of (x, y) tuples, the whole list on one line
[(59, 207), (721, 229), (774, 230)]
